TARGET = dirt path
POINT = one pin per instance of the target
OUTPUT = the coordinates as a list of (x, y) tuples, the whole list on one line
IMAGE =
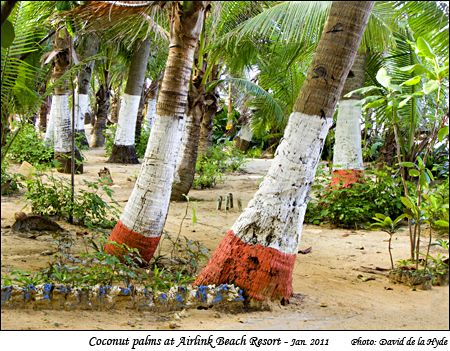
[(329, 292)]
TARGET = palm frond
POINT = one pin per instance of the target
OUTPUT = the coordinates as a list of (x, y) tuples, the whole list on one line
[(428, 20), (121, 22), (17, 74), (272, 107)]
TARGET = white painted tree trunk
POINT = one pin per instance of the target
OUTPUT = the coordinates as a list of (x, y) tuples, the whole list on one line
[(126, 124), (274, 217), (184, 129), (62, 123), (142, 221), (49, 138), (347, 153), (146, 214), (151, 112), (246, 133), (81, 108)]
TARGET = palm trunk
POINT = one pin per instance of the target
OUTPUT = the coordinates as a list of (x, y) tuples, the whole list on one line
[(49, 137), (206, 127), (123, 150), (60, 112), (348, 167), (87, 48), (388, 150), (259, 252), (101, 117), (201, 106), (151, 104), (142, 221), (187, 157), (140, 117), (43, 113), (115, 105)]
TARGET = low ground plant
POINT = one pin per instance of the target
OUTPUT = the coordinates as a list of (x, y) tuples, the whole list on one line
[(96, 267), (93, 207), (219, 159), (10, 182), (28, 146)]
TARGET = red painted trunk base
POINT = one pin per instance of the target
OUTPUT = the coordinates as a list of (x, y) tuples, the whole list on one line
[(343, 178), (122, 235), (263, 272)]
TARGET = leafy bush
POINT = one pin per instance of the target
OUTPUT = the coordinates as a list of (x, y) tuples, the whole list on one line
[(254, 152), (109, 134), (10, 183), (141, 146), (220, 132), (27, 146), (434, 206), (52, 197), (219, 159), (356, 206)]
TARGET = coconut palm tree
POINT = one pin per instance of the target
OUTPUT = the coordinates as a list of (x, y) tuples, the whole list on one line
[(299, 23), (203, 96), (123, 149), (258, 253), (87, 47), (60, 114), (348, 164), (200, 104), (141, 223)]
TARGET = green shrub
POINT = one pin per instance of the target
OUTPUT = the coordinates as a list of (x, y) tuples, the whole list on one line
[(254, 152), (28, 146), (10, 183), (355, 206), (51, 196), (220, 132), (219, 159), (141, 146), (109, 134)]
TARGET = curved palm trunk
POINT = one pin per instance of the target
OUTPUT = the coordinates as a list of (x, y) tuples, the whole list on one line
[(259, 252), (206, 127), (142, 221), (151, 104), (123, 150), (140, 116), (49, 125), (115, 105), (348, 167), (187, 156), (87, 48), (205, 108), (206, 133), (43, 114), (60, 114), (101, 117)]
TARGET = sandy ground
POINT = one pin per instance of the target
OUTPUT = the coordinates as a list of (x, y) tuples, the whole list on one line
[(330, 292)]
